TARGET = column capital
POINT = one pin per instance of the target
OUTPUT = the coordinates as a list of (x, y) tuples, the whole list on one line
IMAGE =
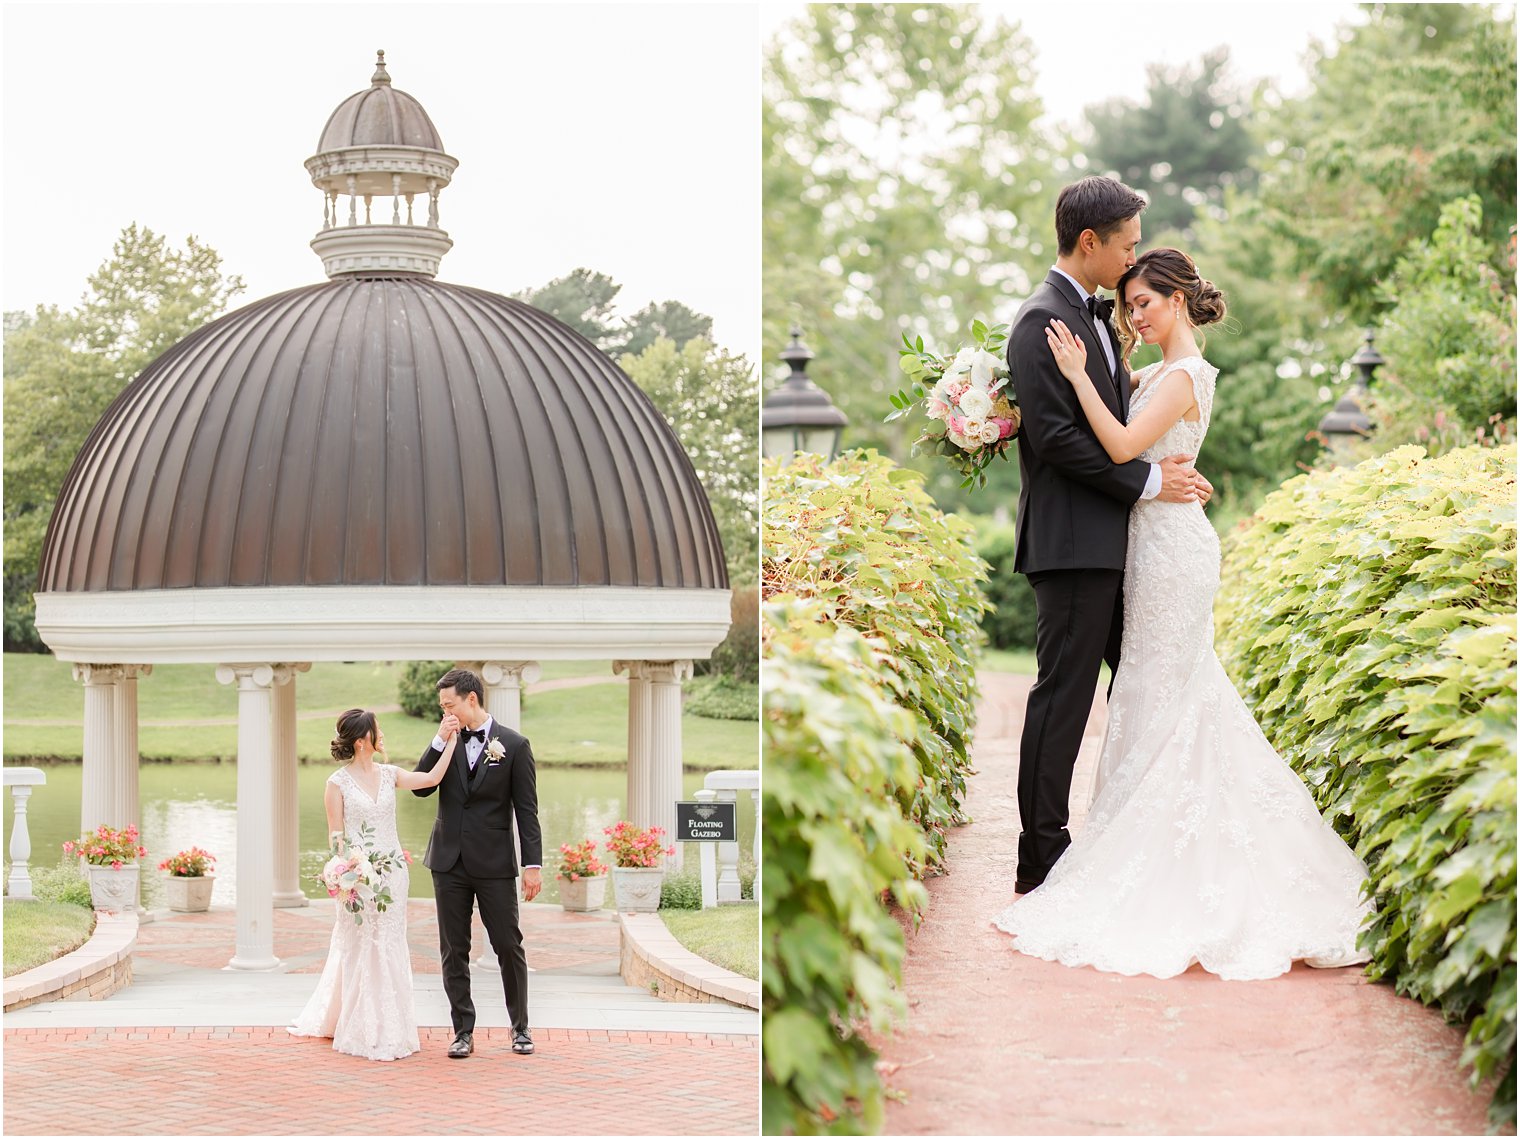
[(109, 673), (634, 668), (285, 673), (246, 675), (667, 671), (510, 673)]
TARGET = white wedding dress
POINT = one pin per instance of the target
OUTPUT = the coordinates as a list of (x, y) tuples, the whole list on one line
[(364, 997), (1201, 844)]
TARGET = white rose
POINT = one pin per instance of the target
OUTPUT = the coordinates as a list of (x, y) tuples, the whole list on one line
[(990, 432), (962, 362), (976, 404), (969, 443), (974, 425)]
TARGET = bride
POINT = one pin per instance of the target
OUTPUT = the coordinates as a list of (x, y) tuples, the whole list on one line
[(1201, 844), (363, 1000)]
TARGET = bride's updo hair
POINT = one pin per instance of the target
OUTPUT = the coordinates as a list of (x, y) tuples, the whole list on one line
[(1168, 271), (355, 724)]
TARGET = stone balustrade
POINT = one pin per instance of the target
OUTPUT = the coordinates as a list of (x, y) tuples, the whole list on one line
[(21, 780), (720, 867)]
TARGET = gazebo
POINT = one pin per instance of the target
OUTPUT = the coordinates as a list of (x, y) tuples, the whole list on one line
[(380, 467)]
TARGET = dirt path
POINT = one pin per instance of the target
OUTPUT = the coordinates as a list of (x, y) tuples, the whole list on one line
[(1000, 1043)]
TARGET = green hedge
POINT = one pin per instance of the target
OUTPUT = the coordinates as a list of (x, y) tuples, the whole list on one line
[(1369, 617), (871, 624), (834, 841), (738, 654), (720, 697), (863, 537), (417, 690)]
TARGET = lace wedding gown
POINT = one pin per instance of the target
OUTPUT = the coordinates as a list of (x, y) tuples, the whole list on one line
[(1202, 844), (364, 997)]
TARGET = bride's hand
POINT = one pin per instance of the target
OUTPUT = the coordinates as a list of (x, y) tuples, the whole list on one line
[(1069, 351)]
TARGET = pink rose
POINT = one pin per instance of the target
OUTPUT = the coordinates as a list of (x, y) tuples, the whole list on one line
[(956, 423), (1005, 427)]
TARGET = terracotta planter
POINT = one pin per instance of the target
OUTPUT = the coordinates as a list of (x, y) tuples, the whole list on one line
[(189, 895), (636, 889), (113, 889), (583, 894)]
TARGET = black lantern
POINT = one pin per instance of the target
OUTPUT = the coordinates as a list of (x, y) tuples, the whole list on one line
[(1347, 422), (799, 416)]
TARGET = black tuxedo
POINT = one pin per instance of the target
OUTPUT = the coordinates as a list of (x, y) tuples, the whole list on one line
[(470, 853), (1072, 532)]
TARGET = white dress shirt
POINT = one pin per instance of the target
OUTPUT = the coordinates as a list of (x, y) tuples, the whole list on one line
[(1153, 480)]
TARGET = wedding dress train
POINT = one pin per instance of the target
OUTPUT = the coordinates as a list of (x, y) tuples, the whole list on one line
[(1201, 844)]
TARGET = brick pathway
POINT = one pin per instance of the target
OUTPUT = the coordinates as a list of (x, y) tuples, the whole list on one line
[(256, 1079), (262, 1081), (1000, 1043)]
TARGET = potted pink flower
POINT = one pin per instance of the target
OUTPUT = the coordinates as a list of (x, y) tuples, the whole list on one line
[(110, 856), (637, 873), (188, 880), (582, 877)]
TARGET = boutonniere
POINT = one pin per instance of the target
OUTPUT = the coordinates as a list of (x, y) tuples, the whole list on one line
[(494, 753)]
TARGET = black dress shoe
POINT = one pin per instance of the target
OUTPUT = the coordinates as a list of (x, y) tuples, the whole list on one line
[(522, 1043), (463, 1045)]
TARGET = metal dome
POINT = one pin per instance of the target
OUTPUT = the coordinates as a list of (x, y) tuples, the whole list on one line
[(379, 116), (381, 431)]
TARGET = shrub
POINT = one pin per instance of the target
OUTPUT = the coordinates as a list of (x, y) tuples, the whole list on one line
[(862, 537), (682, 891), (62, 883), (1010, 621), (723, 698), (417, 690), (738, 654), (1369, 616), (834, 841)]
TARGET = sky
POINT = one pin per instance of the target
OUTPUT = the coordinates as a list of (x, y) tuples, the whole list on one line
[(622, 138)]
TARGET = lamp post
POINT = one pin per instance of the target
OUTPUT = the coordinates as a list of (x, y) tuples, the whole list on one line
[(799, 416), (1346, 422)]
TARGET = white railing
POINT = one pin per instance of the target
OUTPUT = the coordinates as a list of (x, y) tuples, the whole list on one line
[(21, 780), (720, 868)]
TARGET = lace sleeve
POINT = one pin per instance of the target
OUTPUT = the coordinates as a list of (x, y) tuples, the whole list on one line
[(1203, 375)]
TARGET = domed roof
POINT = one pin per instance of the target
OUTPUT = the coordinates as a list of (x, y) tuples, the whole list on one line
[(379, 116), (381, 431)]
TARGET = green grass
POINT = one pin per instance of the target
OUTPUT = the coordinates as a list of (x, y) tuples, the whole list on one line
[(1008, 660), (580, 726), (38, 932), (728, 936)]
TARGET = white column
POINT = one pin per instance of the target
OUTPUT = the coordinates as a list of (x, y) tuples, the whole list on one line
[(21, 780), (504, 681), (729, 887), (125, 757), (287, 805), (665, 746), (638, 806), (97, 795), (709, 859), (255, 815)]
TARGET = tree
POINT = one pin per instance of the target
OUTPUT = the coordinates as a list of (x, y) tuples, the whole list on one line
[(1414, 110), (905, 188), (586, 301), (63, 369), (708, 397), (1183, 146)]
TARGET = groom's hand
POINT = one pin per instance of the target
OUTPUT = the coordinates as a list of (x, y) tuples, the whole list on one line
[(533, 882), (1179, 482), (447, 727)]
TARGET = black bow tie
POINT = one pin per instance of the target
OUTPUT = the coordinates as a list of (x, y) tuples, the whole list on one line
[(478, 734), (1100, 308)]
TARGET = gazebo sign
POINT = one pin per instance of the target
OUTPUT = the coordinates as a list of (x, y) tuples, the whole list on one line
[(707, 822)]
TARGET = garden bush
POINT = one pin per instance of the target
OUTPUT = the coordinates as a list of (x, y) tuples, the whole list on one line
[(834, 842), (738, 654), (417, 690), (722, 698), (862, 537), (1368, 615), (1010, 621), (63, 883)]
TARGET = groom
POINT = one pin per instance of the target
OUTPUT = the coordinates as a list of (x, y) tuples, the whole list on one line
[(1074, 503), (470, 851)]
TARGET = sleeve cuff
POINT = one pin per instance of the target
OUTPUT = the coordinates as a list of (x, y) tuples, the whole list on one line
[(1152, 483)]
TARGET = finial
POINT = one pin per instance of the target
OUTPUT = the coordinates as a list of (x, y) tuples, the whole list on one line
[(381, 78)]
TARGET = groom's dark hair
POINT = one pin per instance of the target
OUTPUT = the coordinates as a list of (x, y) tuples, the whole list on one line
[(462, 680), (1097, 203)]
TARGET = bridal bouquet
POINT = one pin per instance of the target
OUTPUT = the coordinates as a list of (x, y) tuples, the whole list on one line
[(973, 417), (358, 876)]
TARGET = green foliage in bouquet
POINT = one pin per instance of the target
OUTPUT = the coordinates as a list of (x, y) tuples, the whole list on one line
[(863, 537), (834, 842), (1369, 618)]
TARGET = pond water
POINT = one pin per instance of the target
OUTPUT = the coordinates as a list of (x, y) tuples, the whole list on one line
[(195, 804)]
